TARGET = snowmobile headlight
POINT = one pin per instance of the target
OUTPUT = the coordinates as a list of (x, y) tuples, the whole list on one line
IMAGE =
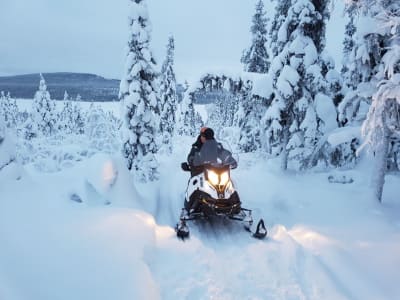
[(224, 178), (213, 177)]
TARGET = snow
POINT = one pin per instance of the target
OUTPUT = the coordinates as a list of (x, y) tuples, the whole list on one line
[(262, 86), (326, 240), (326, 111), (344, 135)]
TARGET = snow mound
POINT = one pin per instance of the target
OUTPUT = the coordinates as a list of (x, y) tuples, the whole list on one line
[(106, 178), (102, 173), (9, 168), (344, 135)]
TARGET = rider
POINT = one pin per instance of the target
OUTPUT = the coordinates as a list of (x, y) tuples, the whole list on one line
[(207, 150), (196, 146)]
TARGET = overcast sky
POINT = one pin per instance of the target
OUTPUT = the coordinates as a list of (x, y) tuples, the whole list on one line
[(90, 35)]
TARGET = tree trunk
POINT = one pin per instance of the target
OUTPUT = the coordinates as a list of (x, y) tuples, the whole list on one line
[(285, 152), (380, 165)]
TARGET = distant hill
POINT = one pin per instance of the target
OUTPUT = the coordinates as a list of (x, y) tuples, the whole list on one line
[(88, 86)]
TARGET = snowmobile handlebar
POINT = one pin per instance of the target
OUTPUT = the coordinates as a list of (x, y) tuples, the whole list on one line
[(187, 168)]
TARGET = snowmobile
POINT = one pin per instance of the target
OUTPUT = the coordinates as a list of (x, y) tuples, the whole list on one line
[(211, 193)]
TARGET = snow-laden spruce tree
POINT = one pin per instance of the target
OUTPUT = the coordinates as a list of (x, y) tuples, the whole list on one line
[(78, 118), (247, 117), (99, 131), (188, 120), (9, 168), (362, 63), (168, 97), (381, 128), (249, 114), (138, 96), (298, 116), (8, 110), (44, 110), (348, 69), (255, 58), (66, 121), (277, 32)]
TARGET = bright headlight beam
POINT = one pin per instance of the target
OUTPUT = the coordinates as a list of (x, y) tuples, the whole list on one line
[(213, 178), (224, 178)]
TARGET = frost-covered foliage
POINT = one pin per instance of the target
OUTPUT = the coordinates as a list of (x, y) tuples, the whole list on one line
[(362, 58), (168, 97), (348, 70), (381, 76), (8, 163), (224, 93), (138, 96), (277, 32), (235, 100), (101, 134), (43, 113), (99, 131), (301, 113), (8, 110), (79, 121), (248, 116), (187, 123), (256, 59), (66, 119), (381, 129)]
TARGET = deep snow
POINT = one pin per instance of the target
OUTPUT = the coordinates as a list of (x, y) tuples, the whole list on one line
[(92, 232)]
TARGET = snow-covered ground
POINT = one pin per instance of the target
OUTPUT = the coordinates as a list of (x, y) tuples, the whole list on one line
[(91, 232)]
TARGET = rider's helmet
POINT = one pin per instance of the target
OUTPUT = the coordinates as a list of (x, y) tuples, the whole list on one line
[(208, 133), (202, 129)]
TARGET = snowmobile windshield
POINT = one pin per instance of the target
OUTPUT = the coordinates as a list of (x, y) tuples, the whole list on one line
[(213, 153)]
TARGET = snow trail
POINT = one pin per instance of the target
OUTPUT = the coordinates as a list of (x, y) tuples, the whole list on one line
[(325, 241)]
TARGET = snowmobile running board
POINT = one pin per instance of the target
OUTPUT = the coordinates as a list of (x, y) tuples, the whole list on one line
[(182, 230)]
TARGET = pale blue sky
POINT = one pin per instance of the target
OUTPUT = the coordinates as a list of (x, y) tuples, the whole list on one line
[(90, 35)]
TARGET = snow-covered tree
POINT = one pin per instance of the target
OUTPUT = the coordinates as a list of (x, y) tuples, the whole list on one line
[(168, 96), (297, 119), (277, 32), (382, 126), (362, 63), (66, 122), (66, 96), (8, 165), (78, 118), (187, 123), (248, 118), (9, 110), (44, 110), (255, 58), (349, 42), (99, 130), (138, 96)]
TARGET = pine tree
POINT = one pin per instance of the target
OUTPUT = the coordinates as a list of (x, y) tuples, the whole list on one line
[(66, 118), (249, 115), (278, 33), (43, 110), (293, 124), (187, 124), (168, 97), (98, 129), (8, 165), (78, 119), (256, 59), (66, 96), (138, 96), (381, 127), (349, 48), (9, 110)]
